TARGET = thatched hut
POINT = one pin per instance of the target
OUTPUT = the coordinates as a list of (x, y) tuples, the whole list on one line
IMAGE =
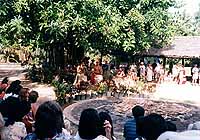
[(181, 47)]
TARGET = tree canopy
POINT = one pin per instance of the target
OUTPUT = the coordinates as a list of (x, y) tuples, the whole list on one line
[(103, 25)]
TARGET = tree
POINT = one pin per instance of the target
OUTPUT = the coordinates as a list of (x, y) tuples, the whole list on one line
[(197, 21), (105, 26)]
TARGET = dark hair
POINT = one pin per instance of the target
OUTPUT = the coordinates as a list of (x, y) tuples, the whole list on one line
[(14, 87), (152, 126), (5, 80), (89, 124), (24, 94), (105, 116), (14, 109), (33, 96), (170, 126), (138, 111), (48, 120)]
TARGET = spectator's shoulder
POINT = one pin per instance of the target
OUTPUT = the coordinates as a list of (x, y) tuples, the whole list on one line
[(31, 136), (101, 138)]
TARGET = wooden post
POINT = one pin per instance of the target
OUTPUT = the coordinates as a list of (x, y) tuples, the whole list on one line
[(164, 62), (183, 61)]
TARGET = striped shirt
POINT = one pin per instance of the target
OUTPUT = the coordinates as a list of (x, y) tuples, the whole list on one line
[(130, 130)]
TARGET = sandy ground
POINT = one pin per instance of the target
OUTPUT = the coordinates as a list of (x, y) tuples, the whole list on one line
[(16, 72), (182, 93)]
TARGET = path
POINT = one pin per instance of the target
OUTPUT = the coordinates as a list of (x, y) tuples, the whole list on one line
[(16, 72)]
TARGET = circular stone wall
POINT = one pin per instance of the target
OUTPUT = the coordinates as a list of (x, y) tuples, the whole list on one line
[(120, 110)]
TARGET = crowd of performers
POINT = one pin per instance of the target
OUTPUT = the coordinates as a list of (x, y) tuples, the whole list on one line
[(94, 72)]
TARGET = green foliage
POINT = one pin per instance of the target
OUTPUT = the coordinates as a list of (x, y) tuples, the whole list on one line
[(102, 88), (102, 25), (61, 90), (197, 21), (184, 25)]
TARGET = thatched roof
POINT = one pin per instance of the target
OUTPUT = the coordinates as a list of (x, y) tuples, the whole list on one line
[(182, 47)]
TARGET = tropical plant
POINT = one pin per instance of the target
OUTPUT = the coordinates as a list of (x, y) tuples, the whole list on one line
[(55, 27), (61, 91)]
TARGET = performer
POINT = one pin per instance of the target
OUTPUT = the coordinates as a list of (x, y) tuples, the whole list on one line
[(142, 70), (97, 72), (182, 75), (195, 72), (120, 73), (80, 76), (149, 71)]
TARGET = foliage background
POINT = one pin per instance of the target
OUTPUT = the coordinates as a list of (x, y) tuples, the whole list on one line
[(53, 28)]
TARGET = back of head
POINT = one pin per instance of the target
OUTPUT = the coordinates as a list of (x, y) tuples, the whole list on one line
[(48, 120), (170, 126), (89, 124), (138, 111), (5, 80), (105, 116), (14, 109), (14, 87), (153, 126), (33, 96)]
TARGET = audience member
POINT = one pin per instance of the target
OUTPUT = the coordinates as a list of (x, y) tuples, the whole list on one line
[(105, 117), (13, 90), (3, 87), (49, 123), (29, 118), (152, 126), (17, 131), (89, 126), (130, 131), (170, 126), (194, 126), (14, 109), (186, 135)]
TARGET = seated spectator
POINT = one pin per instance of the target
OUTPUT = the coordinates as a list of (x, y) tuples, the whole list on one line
[(14, 109), (49, 123), (186, 135), (89, 126), (13, 90), (29, 118), (17, 131), (170, 126), (151, 126), (194, 126), (3, 87), (105, 117), (130, 132)]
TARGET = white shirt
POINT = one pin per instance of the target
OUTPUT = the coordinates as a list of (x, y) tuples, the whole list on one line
[(100, 137), (186, 135)]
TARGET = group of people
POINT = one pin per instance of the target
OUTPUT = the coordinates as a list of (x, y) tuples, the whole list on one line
[(155, 127), (94, 72), (150, 72), (90, 72), (25, 116)]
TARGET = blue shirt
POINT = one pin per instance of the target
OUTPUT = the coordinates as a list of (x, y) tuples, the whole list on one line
[(130, 130)]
